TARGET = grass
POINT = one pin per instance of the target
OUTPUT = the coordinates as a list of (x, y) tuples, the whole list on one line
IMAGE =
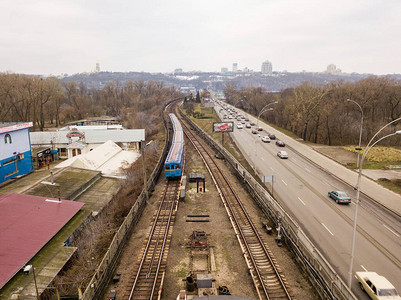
[(182, 272), (379, 154)]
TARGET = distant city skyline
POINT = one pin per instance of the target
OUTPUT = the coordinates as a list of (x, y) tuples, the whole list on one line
[(54, 37)]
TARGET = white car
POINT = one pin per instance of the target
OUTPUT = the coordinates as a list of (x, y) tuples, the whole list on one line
[(240, 126), (282, 154), (265, 139), (376, 286)]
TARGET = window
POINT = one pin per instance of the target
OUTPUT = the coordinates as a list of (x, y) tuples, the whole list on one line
[(167, 167), (7, 137)]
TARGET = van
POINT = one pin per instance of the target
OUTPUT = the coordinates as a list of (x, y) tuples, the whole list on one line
[(376, 286)]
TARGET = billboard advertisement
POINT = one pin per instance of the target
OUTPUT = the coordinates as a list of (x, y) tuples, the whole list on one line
[(223, 126)]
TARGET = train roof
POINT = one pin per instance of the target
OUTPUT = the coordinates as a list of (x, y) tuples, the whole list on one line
[(178, 137), (176, 123), (175, 153)]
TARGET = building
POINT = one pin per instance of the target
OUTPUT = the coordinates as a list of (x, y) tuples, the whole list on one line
[(15, 150), (267, 68), (235, 67), (224, 70), (332, 69), (82, 139), (27, 224)]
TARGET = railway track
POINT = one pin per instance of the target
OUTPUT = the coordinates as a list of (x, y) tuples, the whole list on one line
[(266, 275), (148, 279)]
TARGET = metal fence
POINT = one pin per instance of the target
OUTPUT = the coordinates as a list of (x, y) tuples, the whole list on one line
[(324, 278)]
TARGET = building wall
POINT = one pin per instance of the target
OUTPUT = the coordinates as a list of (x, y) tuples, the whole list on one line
[(15, 157)]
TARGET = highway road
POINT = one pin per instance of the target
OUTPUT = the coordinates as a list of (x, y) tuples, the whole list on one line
[(301, 187)]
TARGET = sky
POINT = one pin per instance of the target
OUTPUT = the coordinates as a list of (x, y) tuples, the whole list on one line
[(52, 37)]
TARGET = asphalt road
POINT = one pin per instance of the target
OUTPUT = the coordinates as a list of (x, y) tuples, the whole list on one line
[(301, 187)]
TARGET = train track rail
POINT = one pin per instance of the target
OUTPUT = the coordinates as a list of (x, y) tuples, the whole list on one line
[(266, 275), (149, 277)]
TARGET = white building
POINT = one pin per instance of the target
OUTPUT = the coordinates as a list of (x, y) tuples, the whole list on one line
[(235, 67), (76, 141), (267, 67)]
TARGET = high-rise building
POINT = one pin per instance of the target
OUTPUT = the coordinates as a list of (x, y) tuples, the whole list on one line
[(97, 68), (235, 67), (267, 67)]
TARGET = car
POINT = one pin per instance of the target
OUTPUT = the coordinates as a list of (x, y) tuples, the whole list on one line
[(243, 122), (260, 128), (280, 143), (253, 124), (248, 125), (240, 126), (230, 116), (247, 119), (340, 197), (254, 131), (376, 286), (266, 139), (272, 136), (282, 154)]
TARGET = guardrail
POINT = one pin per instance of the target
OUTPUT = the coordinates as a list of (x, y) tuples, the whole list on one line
[(324, 278), (100, 279)]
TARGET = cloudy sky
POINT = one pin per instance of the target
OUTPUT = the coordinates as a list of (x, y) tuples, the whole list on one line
[(54, 37)]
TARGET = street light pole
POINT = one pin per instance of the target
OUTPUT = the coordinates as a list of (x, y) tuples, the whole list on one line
[(360, 131), (367, 149), (263, 110)]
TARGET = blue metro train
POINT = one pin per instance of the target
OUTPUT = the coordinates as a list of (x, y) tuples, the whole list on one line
[(175, 158)]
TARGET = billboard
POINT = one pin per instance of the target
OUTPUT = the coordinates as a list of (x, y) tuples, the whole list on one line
[(223, 126)]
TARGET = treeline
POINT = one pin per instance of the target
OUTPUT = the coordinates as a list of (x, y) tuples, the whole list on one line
[(322, 114), (48, 102)]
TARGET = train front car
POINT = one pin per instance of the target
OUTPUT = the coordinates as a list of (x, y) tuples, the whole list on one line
[(175, 158)]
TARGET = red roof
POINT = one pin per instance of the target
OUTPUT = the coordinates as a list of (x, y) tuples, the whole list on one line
[(27, 223)]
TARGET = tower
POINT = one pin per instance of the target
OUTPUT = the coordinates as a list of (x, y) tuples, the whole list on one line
[(267, 67), (97, 68)]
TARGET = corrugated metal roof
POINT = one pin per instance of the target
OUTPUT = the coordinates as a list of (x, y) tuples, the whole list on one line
[(91, 136), (27, 223)]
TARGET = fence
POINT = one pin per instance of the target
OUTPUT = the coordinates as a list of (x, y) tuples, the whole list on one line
[(324, 278)]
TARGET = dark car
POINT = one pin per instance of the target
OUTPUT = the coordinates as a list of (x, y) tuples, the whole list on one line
[(280, 143), (272, 136), (340, 197), (260, 129), (252, 124)]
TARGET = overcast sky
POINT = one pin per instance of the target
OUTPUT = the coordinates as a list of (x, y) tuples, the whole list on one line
[(54, 37)]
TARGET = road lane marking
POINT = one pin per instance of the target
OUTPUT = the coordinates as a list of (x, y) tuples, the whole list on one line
[(327, 229), (306, 169), (301, 201), (283, 182), (272, 168), (364, 268), (392, 231)]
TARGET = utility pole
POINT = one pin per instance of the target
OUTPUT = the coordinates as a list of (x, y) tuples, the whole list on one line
[(144, 171), (36, 286)]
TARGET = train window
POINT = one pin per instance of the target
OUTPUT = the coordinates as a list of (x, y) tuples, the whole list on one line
[(167, 167)]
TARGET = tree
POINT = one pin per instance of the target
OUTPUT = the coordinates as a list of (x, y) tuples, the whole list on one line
[(198, 99)]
